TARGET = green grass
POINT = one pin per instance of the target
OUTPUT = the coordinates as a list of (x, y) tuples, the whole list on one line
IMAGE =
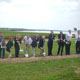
[(14, 33), (42, 70)]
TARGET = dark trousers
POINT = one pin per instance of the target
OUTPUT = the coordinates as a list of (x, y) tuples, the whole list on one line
[(3, 55), (67, 48), (17, 51), (60, 47), (50, 46), (78, 47)]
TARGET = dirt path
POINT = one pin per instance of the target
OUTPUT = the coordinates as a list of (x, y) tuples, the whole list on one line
[(34, 59)]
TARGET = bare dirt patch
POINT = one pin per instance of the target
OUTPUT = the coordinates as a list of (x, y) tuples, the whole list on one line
[(34, 59)]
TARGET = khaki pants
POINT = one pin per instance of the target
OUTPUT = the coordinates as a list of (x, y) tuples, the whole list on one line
[(27, 49), (41, 51)]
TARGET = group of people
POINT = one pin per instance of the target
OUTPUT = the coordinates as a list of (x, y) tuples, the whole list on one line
[(39, 41), (63, 40)]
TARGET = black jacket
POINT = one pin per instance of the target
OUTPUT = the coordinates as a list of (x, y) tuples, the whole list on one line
[(41, 42), (16, 45), (9, 44), (63, 36), (51, 38), (34, 42)]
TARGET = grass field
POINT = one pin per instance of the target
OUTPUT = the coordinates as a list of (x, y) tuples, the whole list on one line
[(66, 69), (63, 69), (13, 33)]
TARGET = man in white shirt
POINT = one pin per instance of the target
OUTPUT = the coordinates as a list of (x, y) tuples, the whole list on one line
[(78, 42), (27, 42), (68, 42)]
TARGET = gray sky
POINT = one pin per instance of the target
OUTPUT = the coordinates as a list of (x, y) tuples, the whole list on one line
[(40, 14)]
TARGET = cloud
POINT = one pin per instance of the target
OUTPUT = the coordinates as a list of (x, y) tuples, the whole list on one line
[(39, 13), (5, 1)]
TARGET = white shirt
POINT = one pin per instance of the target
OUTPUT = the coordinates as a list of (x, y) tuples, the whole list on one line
[(68, 36), (27, 41)]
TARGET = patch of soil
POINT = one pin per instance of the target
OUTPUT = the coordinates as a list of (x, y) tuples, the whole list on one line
[(34, 59), (78, 70)]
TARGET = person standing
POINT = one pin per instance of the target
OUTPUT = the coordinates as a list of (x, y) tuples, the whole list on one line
[(17, 42), (9, 46), (27, 42), (34, 44), (50, 43), (2, 46), (78, 42), (41, 44), (61, 38), (68, 42)]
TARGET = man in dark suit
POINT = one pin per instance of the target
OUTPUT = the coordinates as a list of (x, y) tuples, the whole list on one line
[(61, 38), (50, 43)]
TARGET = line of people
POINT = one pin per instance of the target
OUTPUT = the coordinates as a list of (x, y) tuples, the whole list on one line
[(63, 40)]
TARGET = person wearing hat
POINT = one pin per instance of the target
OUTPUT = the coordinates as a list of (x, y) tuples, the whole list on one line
[(61, 38)]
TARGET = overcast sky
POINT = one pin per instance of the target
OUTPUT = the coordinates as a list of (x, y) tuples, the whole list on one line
[(40, 14)]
